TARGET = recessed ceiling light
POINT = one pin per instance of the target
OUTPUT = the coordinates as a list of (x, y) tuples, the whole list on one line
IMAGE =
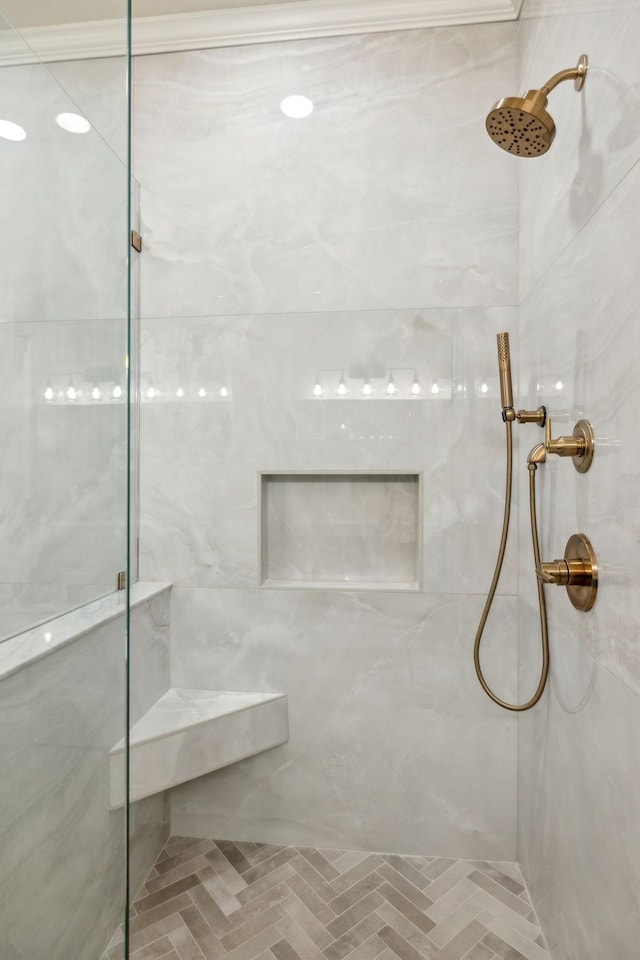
[(73, 123), (11, 131), (296, 107)]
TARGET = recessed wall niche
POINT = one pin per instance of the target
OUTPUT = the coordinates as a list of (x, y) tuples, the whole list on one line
[(357, 530)]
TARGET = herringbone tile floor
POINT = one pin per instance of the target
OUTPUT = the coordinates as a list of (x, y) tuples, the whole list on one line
[(218, 900)]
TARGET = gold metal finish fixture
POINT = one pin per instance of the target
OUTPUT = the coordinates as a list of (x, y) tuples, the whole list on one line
[(580, 446), (136, 241), (544, 630), (506, 389), (523, 416), (538, 416), (584, 431), (521, 125), (504, 371), (579, 547), (122, 580), (578, 572)]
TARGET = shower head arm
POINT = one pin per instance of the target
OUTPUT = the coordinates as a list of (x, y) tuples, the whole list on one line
[(577, 74), (559, 78)]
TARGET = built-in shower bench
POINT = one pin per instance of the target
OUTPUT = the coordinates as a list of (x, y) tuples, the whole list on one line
[(188, 733)]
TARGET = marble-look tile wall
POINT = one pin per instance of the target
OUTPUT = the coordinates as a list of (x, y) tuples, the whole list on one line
[(63, 335), (378, 236), (63, 479), (63, 850), (346, 530), (393, 745), (385, 197), (597, 139), (200, 456), (579, 837), (66, 198)]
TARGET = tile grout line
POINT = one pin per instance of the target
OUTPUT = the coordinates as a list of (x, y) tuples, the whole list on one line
[(387, 899)]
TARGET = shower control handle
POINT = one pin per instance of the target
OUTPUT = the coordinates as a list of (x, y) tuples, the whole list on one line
[(580, 445), (562, 446), (565, 573), (577, 571)]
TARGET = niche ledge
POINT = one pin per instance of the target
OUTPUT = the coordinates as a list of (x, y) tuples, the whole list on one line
[(188, 733), (411, 586), (341, 530)]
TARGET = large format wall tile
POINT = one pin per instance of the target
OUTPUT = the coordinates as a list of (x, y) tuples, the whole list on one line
[(376, 238), (579, 833), (63, 478), (579, 838), (247, 211), (95, 86), (598, 131), (63, 327), (65, 196), (393, 745), (201, 454), (590, 346), (149, 668), (62, 849)]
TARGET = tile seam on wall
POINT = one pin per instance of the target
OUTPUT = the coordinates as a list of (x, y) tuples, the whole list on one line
[(563, 250)]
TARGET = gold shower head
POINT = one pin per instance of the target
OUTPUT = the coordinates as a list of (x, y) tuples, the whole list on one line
[(521, 125)]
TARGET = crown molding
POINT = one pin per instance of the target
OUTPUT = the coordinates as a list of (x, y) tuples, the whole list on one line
[(294, 20), (559, 8)]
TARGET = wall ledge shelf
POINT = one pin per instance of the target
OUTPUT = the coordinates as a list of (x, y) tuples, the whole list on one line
[(383, 586), (45, 638), (189, 733)]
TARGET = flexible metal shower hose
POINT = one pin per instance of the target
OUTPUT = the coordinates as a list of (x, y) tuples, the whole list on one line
[(496, 577)]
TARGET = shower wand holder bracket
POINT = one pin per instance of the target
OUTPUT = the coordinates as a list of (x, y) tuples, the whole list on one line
[(580, 446), (538, 416)]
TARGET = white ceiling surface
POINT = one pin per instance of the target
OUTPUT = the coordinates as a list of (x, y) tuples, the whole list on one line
[(75, 29)]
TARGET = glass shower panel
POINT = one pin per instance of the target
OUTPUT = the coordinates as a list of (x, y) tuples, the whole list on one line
[(63, 312), (64, 250)]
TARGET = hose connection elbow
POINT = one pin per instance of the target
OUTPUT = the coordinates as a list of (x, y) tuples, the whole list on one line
[(537, 455)]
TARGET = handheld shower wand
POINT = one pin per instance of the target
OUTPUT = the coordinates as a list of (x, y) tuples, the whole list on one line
[(538, 416), (504, 369)]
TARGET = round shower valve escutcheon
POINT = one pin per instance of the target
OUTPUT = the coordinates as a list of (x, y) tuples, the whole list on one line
[(577, 571)]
